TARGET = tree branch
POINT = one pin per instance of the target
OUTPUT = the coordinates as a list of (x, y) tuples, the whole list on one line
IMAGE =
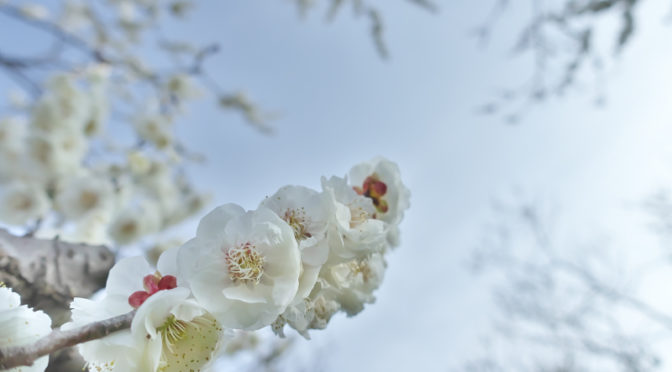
[(26, 355), (49, 273)]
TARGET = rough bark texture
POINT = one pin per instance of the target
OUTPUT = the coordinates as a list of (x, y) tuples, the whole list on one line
[(48, 274)]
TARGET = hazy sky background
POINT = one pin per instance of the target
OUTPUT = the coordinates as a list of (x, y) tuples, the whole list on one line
[(341, 104)]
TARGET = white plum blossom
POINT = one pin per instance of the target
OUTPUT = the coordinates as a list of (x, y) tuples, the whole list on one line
[(170, 331), (313, 312), (160, 184), (353, 231), (64, 107), (92, 230), (155, 129), (189, 203), (75, 16), (22, 202), (182, 87), (12, 148), (356, 280), (35, 11), (380, 180), (97, 114), (97, 77), (57, 153), (324, 306), (138, 163), (243, 267), (135, 221), (12, 134), (21, 326), (157, 249), (178, 333), (307, 212), (79, 197), (346, 286)]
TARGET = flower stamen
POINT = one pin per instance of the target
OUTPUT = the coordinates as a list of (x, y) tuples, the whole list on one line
[(188, 345), (296, 219), (244, 264)]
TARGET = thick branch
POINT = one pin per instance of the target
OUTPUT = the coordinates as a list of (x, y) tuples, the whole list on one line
[(49, 273), (26, 355)]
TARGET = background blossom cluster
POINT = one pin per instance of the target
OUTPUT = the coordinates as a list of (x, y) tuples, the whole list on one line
[(88, 150)]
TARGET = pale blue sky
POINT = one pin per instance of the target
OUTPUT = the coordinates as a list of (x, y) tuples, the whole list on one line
[(341, 104)]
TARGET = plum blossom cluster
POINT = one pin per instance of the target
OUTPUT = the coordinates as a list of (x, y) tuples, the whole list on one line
[(59, 170), (302, 256)]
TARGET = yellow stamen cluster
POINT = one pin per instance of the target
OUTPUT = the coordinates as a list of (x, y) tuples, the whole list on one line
[(100, 367), (360, 267), (244, 264), (357, 216), (296, 218), (188, 345)]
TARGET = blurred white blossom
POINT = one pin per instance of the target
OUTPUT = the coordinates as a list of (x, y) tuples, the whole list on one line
[(21, 326), (21, 203)]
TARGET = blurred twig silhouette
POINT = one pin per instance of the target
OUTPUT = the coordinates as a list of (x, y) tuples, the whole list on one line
[(561, 39), (564, 307)]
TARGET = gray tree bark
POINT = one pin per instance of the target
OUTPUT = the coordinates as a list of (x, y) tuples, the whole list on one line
[(48, 274)]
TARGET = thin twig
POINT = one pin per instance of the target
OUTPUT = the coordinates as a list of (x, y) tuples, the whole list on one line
[(26, 355), (68, 38)]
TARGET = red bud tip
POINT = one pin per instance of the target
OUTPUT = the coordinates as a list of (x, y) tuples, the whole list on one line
[(138, 298), (167, 282), (151, 283), (378, 187)]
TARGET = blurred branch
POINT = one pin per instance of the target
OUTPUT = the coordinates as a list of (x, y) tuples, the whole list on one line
[(551, 299), (53, 29), (562, 43), (373, 13)]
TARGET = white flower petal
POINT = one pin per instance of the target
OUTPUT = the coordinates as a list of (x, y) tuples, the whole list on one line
[(20, 326)]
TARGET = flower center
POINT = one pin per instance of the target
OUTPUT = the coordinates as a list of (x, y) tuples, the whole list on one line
[(244, 264), (91, 127), (99, 366), (296, 218), (357, 216), (374, 189), (360, 267), (88, 199), (129, 228), (188, 345), (22, 202), (152, 283)]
